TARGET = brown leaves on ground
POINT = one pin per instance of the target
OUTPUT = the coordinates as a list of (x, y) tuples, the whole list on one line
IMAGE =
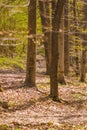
[(23, 108)]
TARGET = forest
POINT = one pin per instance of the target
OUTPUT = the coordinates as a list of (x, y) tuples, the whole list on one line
[(43, 65)]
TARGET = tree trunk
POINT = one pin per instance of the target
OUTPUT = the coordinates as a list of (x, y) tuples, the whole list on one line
[(61, 52), (84, 44), (76, 37), (54, 49), (66, 40), (83, 62), (31, 49), (45, 20)]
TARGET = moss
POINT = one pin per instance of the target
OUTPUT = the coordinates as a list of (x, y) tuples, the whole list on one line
[(16, 128), (4, 127)]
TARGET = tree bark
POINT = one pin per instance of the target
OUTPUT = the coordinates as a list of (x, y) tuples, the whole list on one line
[(83, 62), (54, 49), (66, 40), (76, 37), (31, 49), (45, 20), (84, 44), (61, 52)]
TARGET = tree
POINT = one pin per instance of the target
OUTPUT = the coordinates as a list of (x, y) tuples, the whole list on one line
[(66, 38), (31, 49), (45, 20), (54, 48), (76, 36), (84, 44), (61, 51), (83, 62)]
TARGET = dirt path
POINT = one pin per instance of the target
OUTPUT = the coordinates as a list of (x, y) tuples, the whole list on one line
[(28, 109)]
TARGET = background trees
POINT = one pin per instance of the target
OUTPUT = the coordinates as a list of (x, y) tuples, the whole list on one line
[(59, 23)]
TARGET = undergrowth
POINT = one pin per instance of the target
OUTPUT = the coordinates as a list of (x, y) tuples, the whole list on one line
[(12, 63)]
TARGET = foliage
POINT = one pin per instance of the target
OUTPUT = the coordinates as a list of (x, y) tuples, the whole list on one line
[(16, 63)]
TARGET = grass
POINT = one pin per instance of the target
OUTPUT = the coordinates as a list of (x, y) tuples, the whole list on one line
[(16, 128), (12, 63), (4, 127), (49, 127)]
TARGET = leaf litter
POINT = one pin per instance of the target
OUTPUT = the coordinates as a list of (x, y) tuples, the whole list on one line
[(23, 108)]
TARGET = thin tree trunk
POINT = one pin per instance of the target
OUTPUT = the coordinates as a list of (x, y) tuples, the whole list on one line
[(66, 40), (45, 20), (54, 49), (31, 49), (83, 62), (84, 44), (61, 52), (76, 37)]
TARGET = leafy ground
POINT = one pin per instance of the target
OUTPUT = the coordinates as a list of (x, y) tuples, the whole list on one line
[(23, 108)]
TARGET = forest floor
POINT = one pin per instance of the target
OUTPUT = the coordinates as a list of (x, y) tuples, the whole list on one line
[(23, 108)]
